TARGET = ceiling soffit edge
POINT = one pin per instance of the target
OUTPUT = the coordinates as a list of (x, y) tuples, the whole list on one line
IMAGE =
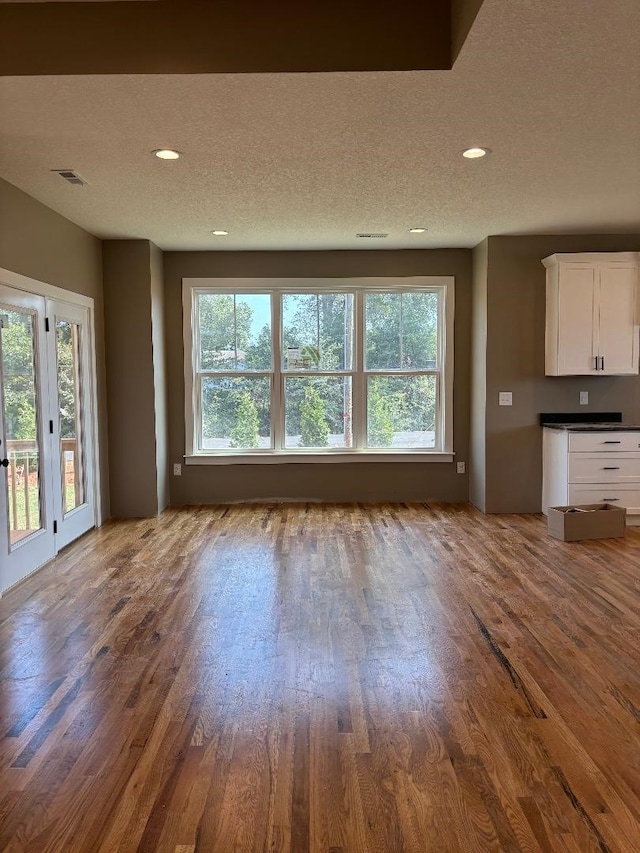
[(251, 36)]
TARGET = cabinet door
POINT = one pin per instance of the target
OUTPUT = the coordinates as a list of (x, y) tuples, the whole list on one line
[(618, 331), (577, 317)]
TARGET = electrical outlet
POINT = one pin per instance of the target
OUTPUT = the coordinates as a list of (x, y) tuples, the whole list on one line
[(461, 467), (177, 470), (505, 398), (584, 398)]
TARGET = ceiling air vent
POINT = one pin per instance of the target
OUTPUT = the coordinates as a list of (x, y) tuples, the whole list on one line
[(71, 177), (372, 236)]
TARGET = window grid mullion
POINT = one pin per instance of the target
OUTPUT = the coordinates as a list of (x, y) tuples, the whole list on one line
[(441, 385), (401, 333), (196, 437), (359, 390), (235, 329), (195, 319), (277, 391), (438, 425), (197, 403), (293, 374), (211, 374), (431, 372)]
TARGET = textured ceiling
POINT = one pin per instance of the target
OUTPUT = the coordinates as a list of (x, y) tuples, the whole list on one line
[(306, 161)]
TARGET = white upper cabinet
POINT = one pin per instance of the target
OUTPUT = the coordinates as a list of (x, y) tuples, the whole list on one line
[(592, 314)]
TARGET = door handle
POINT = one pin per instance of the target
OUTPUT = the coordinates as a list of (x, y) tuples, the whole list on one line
[(4, 463)]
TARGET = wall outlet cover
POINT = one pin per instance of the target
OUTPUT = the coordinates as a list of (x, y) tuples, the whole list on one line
[(505, 398), (584, 398), (461, 467), (177, 470)]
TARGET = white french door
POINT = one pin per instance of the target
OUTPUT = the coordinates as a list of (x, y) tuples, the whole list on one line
[(26, 505), (47, 457), (71, 435)]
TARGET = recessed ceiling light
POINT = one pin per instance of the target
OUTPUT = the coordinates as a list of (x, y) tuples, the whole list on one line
[(417, 230), (220, 233), (166, 154), (475, 153)]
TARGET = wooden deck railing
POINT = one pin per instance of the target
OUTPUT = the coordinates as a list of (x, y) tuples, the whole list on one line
[(23, 477)]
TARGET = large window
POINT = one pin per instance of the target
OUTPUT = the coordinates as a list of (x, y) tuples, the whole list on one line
[(276, 368)]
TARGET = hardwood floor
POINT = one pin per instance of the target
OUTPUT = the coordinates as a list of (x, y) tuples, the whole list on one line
[(323, 678)]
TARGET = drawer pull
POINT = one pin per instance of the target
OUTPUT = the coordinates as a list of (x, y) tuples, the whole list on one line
[(614, 442), (611, 468), (610, 499)]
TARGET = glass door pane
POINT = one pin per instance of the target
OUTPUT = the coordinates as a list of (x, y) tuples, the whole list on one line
[(18, 369), (72, 456)]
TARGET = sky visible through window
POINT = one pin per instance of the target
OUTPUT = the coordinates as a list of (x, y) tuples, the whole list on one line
[(261, 312)]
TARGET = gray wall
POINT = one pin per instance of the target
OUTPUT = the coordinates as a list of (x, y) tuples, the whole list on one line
[(402, 481), (477, 472), (130, 378), (515, 362), (144, 359), (41, 244)]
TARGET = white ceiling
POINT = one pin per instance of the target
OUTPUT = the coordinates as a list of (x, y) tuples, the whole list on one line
[(305, 161)]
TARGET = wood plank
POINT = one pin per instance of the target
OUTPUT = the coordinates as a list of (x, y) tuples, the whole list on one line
[(323, 678)]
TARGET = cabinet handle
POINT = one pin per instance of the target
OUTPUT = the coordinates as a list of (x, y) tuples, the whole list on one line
[(614, 442), (595, 359), (610, 499), (611, 468), (601, 362)]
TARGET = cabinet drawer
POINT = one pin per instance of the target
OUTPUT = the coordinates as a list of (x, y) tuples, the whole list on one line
[(604, 467), (616, 494), (591, 442)]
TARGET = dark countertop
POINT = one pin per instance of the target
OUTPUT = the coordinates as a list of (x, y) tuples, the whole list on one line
[(595, 427)]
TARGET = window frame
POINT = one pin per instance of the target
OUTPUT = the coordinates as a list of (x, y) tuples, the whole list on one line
[(443, 285)]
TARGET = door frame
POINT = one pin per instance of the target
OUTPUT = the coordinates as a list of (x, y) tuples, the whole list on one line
[(50, 291)]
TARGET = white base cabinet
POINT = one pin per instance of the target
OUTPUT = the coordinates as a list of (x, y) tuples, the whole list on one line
[(592, 467)]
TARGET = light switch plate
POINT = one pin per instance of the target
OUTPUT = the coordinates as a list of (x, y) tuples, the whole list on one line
[(177, 470), (584, 398), (505, 398)]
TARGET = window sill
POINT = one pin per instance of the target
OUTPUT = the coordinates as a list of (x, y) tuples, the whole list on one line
[(344, 457)]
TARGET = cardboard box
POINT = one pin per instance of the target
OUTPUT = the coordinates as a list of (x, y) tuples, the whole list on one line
[(587, 521)]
